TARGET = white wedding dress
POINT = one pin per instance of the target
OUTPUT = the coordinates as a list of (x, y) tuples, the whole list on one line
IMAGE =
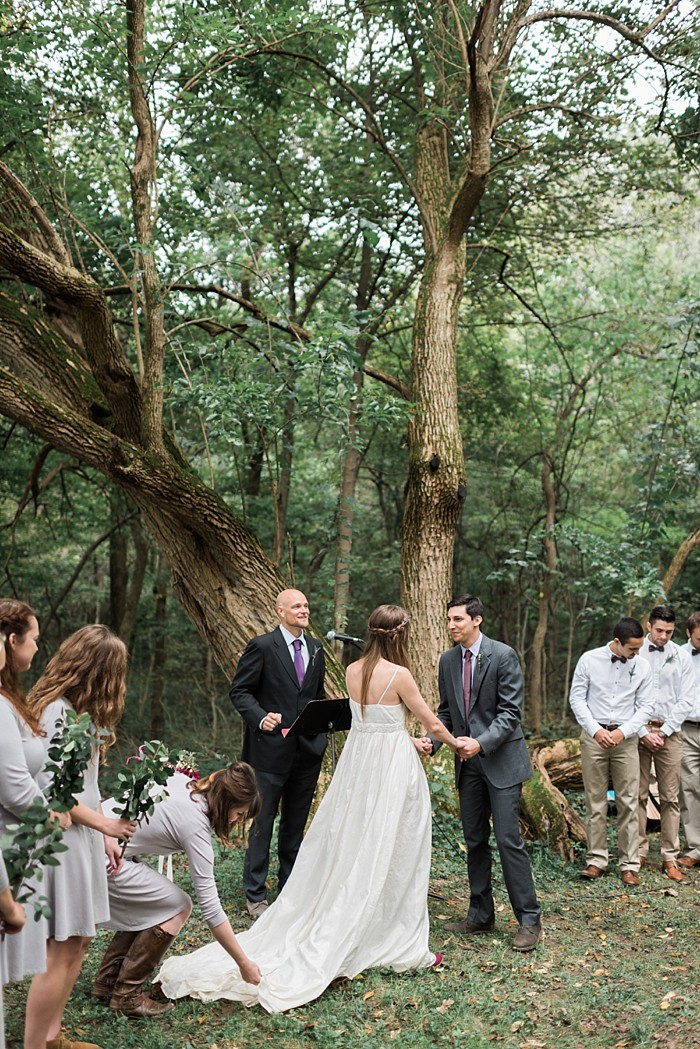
[(357, 896)]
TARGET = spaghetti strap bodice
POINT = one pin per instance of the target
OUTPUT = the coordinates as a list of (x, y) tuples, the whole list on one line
[(389, 684)]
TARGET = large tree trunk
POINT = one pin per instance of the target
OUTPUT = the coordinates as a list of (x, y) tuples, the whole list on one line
[(220, 574), (436, 473)]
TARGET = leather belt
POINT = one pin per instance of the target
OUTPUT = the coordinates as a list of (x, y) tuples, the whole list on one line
[(655, 724), (610, 728), (689, 721)]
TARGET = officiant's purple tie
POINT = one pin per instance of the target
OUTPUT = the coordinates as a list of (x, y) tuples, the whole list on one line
[(467, 685), (298, 661)]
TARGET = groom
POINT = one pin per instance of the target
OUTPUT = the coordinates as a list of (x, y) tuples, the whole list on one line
[(481, 697)]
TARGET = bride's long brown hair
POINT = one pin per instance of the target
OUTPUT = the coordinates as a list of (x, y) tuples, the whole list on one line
[(387, 638), (89, 670)]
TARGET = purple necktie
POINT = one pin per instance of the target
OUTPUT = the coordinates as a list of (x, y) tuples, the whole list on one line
[(467, 685), (298, 661), (618, 659)]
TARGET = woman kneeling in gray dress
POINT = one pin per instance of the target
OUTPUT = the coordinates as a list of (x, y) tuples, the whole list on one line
[(147, 909)]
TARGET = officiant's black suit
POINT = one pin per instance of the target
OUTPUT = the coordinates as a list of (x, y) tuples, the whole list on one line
[(490, 784), (286, 769)]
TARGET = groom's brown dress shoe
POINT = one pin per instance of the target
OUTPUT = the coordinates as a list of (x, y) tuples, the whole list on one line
[(688, 862), (527, 937), (630, 878), (469, 927)]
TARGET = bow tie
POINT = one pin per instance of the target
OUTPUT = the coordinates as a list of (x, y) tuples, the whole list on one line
[(618, 659), (656, 648), (695, 652)]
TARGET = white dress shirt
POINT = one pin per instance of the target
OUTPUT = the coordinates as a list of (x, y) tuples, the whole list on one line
[(672, 683), (290, 639), (694, 713), (607, 693)]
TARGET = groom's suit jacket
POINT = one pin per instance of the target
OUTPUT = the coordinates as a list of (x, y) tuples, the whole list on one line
[(265, 680), (495, 710)]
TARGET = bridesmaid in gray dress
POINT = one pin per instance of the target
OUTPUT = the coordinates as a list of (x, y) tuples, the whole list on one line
[(21, 759), (148, 910), (12, 916), (87, 675)]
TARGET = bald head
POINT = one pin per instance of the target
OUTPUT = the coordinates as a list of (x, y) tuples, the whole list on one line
[(293, 611)]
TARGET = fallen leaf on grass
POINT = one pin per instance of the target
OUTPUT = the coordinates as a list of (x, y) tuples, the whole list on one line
[(201, 1019), (517, 1025), (366, 997), (447, 1002)]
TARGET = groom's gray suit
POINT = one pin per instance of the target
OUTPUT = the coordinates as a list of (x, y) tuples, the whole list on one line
[(490, 784)]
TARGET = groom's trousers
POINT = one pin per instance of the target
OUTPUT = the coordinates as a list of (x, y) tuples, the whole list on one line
[(479, 802)]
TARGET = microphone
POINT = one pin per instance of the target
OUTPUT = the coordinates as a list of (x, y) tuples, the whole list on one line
[(333, 636)]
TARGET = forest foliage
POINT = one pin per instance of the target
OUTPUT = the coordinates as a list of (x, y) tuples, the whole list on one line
[(284, 271)]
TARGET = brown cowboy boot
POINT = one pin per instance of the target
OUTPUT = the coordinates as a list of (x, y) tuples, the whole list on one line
[(128, 997), (111, 964)]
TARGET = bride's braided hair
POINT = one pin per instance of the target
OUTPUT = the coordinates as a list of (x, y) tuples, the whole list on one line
[(387, 638)]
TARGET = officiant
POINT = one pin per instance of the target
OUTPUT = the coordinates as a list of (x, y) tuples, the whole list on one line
[(277, 675)]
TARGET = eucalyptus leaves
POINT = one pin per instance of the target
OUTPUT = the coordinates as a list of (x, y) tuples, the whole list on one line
[(34, 842), (137, 793)]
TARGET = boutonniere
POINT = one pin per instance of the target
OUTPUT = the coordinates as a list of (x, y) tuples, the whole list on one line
[(479, 661), (670, 659), (312, 658), (632, 671)]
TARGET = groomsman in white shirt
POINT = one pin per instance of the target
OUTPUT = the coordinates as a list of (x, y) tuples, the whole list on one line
[(690, 765), (673, 689), (611, 699)]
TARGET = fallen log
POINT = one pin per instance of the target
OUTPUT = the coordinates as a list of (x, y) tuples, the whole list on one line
[(546, 814)]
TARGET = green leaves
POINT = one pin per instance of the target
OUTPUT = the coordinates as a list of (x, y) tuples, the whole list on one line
[(27, 847), (68, 757), (152, 767)]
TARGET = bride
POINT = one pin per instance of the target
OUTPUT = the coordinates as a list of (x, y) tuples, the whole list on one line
[(357, 895)]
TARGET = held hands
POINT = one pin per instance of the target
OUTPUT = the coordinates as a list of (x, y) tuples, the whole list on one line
[(250, 971), (423, 745), (12, 918), (118, 828), (115, 855), (467, 747), (653, 741), (63, 818), (608, 740), (268, 724)]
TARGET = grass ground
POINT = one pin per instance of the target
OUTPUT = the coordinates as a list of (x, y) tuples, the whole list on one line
[(617, 968)]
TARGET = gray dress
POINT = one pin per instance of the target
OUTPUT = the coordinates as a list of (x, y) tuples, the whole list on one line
[(21, 758), (4, 884), (77, 889), (140, 897)]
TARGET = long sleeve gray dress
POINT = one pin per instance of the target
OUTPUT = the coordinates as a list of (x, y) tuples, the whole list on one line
[(77, 888), (21, 758), (140, 897)]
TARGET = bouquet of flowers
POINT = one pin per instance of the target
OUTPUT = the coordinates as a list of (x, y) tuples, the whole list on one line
[(138, 790)]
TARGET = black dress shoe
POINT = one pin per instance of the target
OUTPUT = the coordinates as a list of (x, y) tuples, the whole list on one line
[(469, 927)]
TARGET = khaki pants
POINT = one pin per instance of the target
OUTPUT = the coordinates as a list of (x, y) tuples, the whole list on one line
[(621, 764), (690, 789), (667, 763)]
